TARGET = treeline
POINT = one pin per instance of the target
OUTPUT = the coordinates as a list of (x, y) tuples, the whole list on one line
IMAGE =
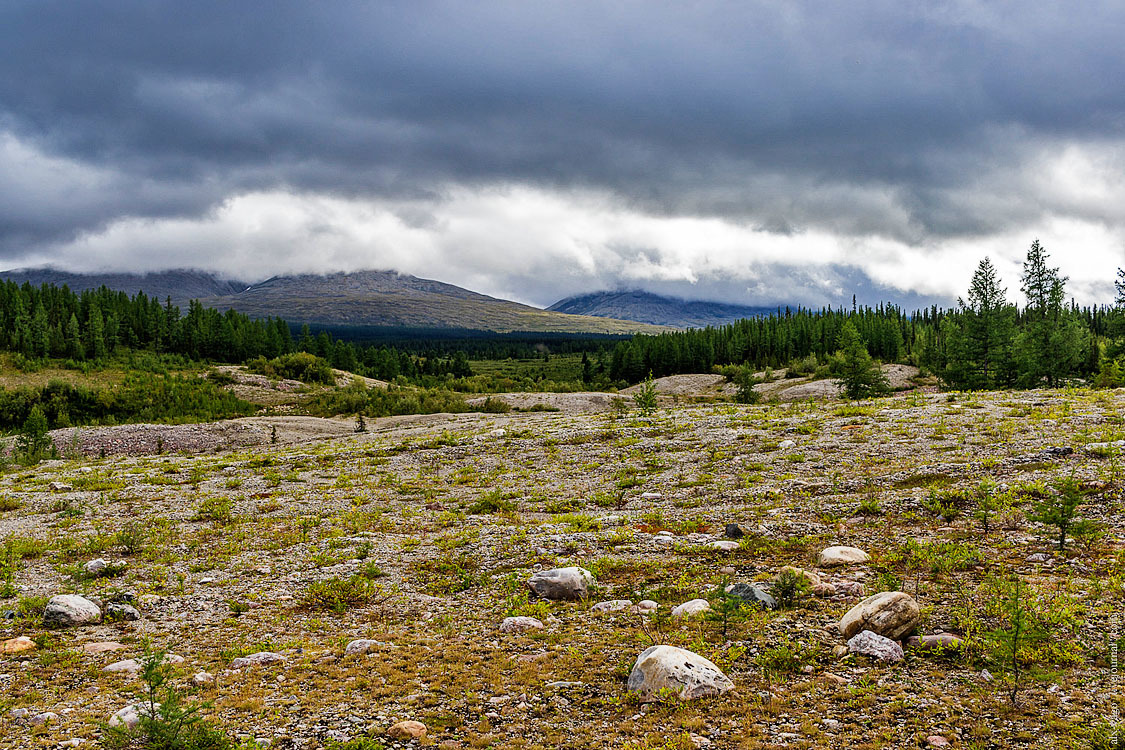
[(774, 341), (51, 321), (38, 322), (142, 397), (985, 342)]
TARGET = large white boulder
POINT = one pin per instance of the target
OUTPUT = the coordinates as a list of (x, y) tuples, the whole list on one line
[(664, 670)]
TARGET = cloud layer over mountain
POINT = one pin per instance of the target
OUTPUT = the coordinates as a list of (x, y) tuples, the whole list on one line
[(747, 151)]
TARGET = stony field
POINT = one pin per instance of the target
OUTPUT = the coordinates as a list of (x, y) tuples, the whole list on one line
[(410, 545)]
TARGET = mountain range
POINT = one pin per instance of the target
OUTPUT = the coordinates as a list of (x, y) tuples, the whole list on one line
[(646, 307), (364, 298)]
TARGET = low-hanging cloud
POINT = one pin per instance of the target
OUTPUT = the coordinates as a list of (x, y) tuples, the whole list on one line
[(767, 152)]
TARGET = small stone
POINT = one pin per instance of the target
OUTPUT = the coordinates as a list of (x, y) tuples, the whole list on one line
[(44, 718), (823, 590), (102, 647), (202, 679), (936, 740), (361, 646), (1038, 557), (651, 496), (699, 740), (68, 610), (646, 605), (127, 665), (727, 571), (986, 675), (733, 531), (59, 487), (935, 642), (130, 716), (72, 742), (691, 608), (449, 745), (834, 556), (787, 444), (832, 680), (614, 605), (840, 651), (876, 646), (17, 645), (724, 545), (407, 730), (520, 624), (262, 657)]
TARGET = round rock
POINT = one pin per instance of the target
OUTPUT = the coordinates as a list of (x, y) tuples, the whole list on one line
[(407, 730), (69, 610), (834, 556), (891, 614), (520, 624), (691, 608)]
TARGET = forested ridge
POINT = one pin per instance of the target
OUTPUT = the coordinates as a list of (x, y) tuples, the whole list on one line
[(984, 342)]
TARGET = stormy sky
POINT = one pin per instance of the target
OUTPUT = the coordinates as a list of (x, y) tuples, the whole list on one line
[(756, 152)]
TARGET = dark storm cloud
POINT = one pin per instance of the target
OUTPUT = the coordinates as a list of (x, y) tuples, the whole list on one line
[(894, 119)]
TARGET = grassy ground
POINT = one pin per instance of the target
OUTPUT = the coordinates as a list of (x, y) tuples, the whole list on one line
[(422, 538)]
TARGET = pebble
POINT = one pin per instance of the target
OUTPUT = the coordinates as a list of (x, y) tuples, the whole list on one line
[(614, 605)]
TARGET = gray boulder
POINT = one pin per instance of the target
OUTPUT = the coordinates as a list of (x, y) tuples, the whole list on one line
[(752, 595), (676, 670), (70, 610), (876, 646), (121, 613), (562, 584), (891, 614)]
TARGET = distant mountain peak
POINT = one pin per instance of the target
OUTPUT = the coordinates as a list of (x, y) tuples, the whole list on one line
[(656, 309), (362, 298)]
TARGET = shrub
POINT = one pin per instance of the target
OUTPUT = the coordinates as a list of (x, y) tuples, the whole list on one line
[(789, 587), (645, 397), (308, 368), (1059, 508), (339, 594), (493, 501), (167, 721)]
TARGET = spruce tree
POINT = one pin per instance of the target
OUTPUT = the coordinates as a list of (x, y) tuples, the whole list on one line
[(860, 375), (1051, 340), (980, 336)]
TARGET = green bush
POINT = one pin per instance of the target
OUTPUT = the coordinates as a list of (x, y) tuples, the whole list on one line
[(340, 594), (308, 368)]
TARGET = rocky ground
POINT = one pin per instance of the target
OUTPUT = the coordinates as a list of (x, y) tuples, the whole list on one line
[(328, 590)]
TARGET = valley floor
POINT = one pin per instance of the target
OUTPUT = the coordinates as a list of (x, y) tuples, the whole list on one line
[(420, 536)]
